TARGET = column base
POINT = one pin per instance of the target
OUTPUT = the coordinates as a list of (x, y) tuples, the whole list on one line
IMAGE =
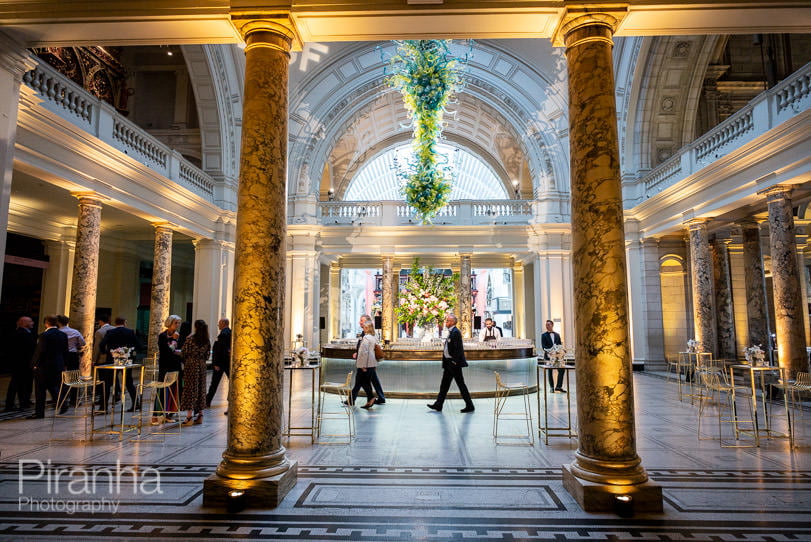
[(257, 493), (594, 497)]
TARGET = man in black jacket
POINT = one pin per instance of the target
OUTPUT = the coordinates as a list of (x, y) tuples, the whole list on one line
[(549, 340), (220, 358), (48, 362), (453, 359), (21, 350), (117, 337)]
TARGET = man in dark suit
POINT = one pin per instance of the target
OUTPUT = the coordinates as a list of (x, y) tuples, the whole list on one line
[(48, 362), (117, 337), (220, 358), (22, 346), (549, 340), (453, 359)]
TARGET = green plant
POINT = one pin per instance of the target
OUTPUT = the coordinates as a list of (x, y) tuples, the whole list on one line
[(427, 296), (427, 75)]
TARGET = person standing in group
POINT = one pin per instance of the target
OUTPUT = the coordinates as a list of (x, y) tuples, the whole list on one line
[(23, 344), (453, 359), (548, 340), (374, 379), (220, 358), (76, 345), (120, 337), (366, 363), (47, 363), (490, 332), (196, 349), (168, 361), (103, 326)]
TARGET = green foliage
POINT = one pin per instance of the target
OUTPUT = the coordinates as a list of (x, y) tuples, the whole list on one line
[(427, 297), (427, 75)]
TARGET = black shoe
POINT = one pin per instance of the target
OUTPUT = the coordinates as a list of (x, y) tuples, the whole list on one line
[(380, 401), (367, 406), (434, 406), (561, 390), (64, 409), (36, 416), (467, 409)]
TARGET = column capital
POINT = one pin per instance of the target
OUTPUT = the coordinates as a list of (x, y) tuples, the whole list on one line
[(697, 223), (778, 191), (162, 225), (274, 30), (581, 23), (90, 198), (749, 223)]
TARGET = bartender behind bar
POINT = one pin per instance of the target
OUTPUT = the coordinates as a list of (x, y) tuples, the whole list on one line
[(490, 332)]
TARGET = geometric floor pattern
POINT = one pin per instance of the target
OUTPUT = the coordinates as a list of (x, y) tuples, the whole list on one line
[(411, 474)]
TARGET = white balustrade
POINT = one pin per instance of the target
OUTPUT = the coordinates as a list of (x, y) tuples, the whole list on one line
[(766, 111), (397, 213), (71, 102)]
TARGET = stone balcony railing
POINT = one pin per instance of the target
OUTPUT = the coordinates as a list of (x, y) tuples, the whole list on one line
[(71, 102), (766, 111), (397, 213)]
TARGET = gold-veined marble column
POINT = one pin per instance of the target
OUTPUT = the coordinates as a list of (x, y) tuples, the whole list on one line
[(702, 285), (788, 307), (161, 284), (255, 461), (86, 272), (606, 462), (387, 306), (754, 279), (725, 315), (465, 302)]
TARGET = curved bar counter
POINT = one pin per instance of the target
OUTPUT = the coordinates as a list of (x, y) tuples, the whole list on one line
[(415, 370)]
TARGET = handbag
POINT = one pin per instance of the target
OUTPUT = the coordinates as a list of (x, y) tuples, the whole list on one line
[(379, 354)]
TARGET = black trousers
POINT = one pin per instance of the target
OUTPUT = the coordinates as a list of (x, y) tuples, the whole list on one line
[(216, 376), (47, 379), (363, 379), (448, 375), (561, 373), (22, 379)]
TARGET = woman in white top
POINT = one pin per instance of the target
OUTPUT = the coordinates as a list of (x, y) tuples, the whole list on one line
[(366, 364)]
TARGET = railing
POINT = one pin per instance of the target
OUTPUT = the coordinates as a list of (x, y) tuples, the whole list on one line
[(71, 102), (766, 111), (397, 213)]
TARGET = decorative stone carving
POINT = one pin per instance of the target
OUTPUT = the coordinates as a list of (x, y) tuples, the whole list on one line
[(703, 291)]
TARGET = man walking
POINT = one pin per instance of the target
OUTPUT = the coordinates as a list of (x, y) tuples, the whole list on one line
[(23, 343), (549, 340), (48, 362), (453, 359), (220, 358)]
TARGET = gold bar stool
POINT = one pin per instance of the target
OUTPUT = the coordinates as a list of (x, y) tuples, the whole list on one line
[(161, 390), (715, 384), (72, 380), (344, 392), (503, 392)]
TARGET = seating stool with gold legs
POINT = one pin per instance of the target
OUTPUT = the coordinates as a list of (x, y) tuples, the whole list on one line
[(715, 384), (343, 391), (503, 392), (791, 392), (72, 380), (163, 392)]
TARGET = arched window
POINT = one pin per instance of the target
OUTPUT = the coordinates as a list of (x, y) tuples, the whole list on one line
[(378, 180)]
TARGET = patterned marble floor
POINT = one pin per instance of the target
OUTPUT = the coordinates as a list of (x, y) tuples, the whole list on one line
[(411, 474)]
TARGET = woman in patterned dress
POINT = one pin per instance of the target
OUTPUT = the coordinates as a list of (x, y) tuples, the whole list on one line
[(195, 354)]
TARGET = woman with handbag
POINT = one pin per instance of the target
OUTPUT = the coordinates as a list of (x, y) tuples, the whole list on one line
[(366, 364)]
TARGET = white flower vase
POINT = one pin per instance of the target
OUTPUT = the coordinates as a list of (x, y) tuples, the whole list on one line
[(419, 331), (428, 333)]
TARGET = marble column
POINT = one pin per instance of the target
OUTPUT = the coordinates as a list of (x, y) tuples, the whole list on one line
[(334, 301), (388, 301), (754, 279), (788, 309), (724, 313), (519, 307), (395, 289), (255, 463), (86, 272), (702, 286), (161, 285), (606, 462), (213, 278), (465, 309)]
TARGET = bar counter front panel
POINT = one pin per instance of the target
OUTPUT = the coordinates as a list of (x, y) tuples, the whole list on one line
[(415, 374)]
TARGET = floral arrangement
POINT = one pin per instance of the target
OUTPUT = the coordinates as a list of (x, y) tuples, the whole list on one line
[(427, 297), (692, 345), (301, 355), (754, 355), (121, 355), (427, 75), (556, 355)]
